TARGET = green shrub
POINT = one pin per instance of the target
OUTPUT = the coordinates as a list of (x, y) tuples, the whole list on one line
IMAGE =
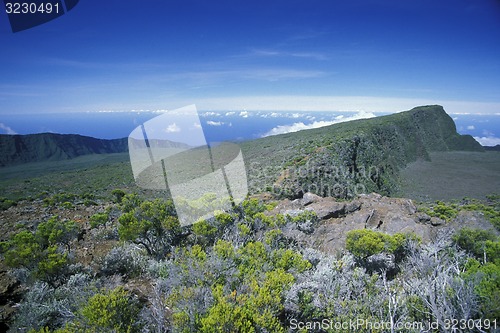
[(59, 198), (55, 231), (67, 205), (89, 202), (252, 207), (22, 250), (223, 218), (442, 210), (475, 241), (98, 219), (488, 287), (6, 203), (365, 242), (204, 231), (151, 224), (118, 195), (40, 252), (112, 311)]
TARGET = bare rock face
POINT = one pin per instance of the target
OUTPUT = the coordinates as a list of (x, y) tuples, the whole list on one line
[(368, 211)]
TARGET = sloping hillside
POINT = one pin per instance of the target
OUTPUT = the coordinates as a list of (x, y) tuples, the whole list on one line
[(341, 160), (349, 158), (16, 149)]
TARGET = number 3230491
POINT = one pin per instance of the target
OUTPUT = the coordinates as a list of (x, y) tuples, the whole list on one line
[(31, 8)]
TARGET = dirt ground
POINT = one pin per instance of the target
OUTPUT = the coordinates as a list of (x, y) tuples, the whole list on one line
[(452, 175)]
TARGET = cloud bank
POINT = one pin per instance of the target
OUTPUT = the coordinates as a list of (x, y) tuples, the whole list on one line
[(7, 129), (282, 129), (488, 140)]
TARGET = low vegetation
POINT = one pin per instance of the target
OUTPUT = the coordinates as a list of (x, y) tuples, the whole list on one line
[(237, 272), (98, 254)]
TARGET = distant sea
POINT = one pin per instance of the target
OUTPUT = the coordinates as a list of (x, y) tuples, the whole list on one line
[(220, 125)]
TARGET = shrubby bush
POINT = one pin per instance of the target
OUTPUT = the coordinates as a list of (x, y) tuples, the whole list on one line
[(44, 253), (60, 198), (126, 260), (442, 210), (484, 269), (118, 195), (364, 243), (98, 219), (151, 224), (237, 272), (111, 311), (477, 242), (49, 307), (6, 203), (435, 284)]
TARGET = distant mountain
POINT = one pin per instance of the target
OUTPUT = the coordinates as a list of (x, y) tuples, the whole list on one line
[(345, 159), (16, 149), (340, 160), (492, 148)]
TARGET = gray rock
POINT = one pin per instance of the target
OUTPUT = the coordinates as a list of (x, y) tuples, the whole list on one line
[(435, 221), (326, 209), (310, 198), (352, 206), (292, 212), (423, 218)]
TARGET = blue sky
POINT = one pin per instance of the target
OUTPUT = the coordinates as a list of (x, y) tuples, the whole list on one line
[(373, 55)]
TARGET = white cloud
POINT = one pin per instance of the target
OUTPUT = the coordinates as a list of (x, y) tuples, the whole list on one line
[(282, 129), (244, 114), (197, 125), (232, 113), (172, 128), (208, 114), (471, 127), (7, 129), (488, 140), (215, 123), (271, 115)]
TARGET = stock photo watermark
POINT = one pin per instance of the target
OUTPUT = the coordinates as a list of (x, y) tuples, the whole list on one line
[(334, 180), (357, 324), (27, 14), (170, 152)]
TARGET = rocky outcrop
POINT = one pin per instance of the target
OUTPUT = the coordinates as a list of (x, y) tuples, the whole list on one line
[(367, 211)]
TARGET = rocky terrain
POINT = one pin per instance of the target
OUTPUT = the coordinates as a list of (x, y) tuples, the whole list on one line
[(369, 211), (309, 191)]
